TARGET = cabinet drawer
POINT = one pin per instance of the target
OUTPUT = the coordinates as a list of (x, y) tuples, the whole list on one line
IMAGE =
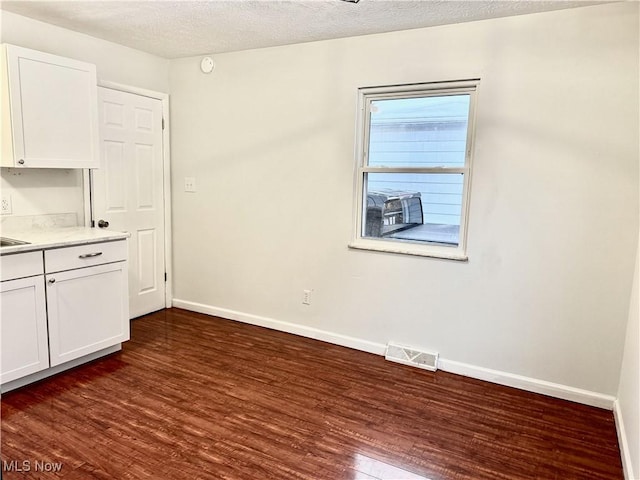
[(89, 255), (20, 265)]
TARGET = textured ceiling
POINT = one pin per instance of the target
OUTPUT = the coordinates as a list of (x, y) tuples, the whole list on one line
[(173, 29)]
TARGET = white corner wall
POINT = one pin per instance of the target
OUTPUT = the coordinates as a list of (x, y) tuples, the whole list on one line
[(269, 137), (627, 409), (40, 191)]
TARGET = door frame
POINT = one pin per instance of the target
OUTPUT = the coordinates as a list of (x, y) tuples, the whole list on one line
[(166, 174)]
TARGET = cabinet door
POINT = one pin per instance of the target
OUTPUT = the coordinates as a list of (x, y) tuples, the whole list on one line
[(23, 330), (54, 110), (88, 310)]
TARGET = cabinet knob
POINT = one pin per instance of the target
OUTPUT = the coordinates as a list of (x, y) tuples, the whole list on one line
[(21, 161), (103, 223), (52, 281)]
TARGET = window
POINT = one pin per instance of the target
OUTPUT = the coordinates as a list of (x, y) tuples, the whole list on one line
[(414, 167)]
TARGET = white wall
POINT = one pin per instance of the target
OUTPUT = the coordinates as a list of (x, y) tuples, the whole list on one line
[(39, 191), (269, 137), (43, 191), (628, 413), (113, 62)]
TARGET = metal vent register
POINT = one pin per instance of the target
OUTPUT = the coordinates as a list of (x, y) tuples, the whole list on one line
[(411, 356)]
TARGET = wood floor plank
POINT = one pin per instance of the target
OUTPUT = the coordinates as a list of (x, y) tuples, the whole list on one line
[(198, 397)]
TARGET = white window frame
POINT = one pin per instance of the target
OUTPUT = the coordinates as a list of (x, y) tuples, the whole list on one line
[(410, 247)]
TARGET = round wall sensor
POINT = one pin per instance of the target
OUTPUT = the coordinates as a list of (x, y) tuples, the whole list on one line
[(206, 65)]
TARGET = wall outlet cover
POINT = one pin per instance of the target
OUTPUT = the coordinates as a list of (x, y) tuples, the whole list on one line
[(190, 184), (5, 205)]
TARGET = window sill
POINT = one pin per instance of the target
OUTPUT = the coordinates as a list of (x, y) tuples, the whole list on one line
[(446, 253)]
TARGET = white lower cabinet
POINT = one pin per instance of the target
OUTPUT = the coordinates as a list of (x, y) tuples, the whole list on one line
[(88, 310), (24, 328), (71, 304)]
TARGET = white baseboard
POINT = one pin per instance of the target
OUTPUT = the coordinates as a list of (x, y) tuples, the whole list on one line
[(627, 466), (529, 384), (494, 376), (309, 332)]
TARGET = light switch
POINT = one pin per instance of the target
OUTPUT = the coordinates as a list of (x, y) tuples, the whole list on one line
[(189, 184)]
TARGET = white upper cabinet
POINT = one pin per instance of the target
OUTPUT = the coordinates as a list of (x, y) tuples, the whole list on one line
[(49, 111)]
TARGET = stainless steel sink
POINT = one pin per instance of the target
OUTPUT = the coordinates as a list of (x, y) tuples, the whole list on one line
[(10, 242)]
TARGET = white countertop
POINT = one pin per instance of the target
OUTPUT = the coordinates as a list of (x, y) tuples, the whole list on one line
[(44, 238)]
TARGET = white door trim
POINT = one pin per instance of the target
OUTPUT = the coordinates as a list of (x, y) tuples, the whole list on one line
[(166, 173)]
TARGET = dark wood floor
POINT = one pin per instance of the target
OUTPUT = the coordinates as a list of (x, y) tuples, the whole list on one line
[(192, 396)]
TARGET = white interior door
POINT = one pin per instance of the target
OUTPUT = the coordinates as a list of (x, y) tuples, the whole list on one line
[(127, 191)]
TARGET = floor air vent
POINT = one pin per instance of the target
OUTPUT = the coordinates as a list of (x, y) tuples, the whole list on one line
[(411, 356)]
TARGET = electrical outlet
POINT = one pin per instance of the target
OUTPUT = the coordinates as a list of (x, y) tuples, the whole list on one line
[(190, 184), (306, 297), (6, 205)]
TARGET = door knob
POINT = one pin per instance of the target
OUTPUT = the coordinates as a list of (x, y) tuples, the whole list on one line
[(103, 224)]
